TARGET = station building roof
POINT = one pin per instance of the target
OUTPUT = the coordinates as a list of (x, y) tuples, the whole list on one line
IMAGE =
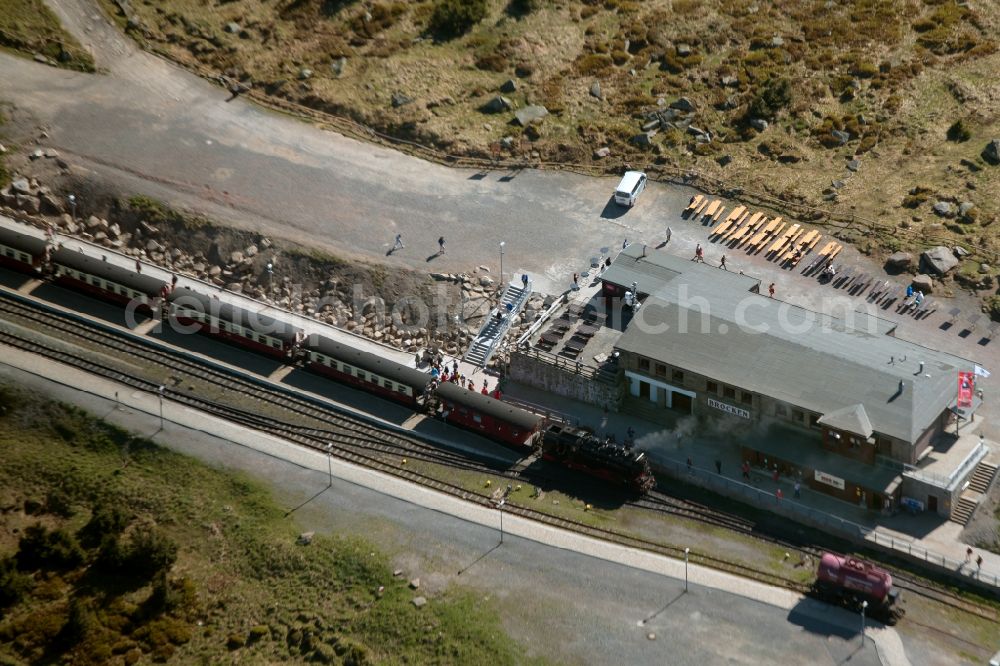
[(843, 365)]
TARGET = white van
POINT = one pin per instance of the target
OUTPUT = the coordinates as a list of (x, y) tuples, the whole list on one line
[(632, 185)]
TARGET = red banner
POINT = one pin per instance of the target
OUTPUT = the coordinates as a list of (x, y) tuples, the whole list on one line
[(965, 381)]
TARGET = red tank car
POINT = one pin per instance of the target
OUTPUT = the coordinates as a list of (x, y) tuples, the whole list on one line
[(850, 580)]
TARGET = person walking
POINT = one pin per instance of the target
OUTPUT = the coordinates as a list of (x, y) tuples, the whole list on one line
[(689, 464), (778, 493), (770, 290), (722, 263), (398, 245), (624, 243), (718, 467), (746, 470), (979, 563), (441, 245), (968, 555), (668, 234), (576, 281), (798, 489), (524, 280)]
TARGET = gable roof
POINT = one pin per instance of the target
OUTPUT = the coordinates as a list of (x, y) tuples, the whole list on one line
[(853, 419), (704, 320)]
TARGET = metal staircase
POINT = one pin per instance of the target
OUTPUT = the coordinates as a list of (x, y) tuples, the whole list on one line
[(495, 328)]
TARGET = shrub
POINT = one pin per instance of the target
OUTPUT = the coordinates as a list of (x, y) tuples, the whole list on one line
[(775, 96), (959, 131), (13, 584), (106, 520), (593, 64), (147, 553), (40, 548), (523, 7), (453, 18)]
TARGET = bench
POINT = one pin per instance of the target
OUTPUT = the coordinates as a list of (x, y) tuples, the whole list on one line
[(694, 203)]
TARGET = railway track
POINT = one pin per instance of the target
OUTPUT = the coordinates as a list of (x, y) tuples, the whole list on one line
[(363, 443)]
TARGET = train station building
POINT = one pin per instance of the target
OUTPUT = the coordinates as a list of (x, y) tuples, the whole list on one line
[(831, 398)]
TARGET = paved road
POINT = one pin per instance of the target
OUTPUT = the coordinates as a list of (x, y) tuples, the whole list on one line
[(559, 603), (170, 134)]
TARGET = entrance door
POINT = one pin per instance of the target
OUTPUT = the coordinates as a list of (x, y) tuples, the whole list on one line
[(932, 503), (644, 390), (681, 402)]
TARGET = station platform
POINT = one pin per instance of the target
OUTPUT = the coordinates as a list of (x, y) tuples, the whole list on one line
[(670, 447)]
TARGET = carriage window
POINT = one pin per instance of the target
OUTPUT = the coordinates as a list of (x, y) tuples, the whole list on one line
[(348, 369), (402, 389), (9, 252), (276, 344), (477, 418), (387, 384)]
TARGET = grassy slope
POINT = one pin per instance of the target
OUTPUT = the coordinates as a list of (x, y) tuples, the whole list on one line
[(251, 584), (30, 26), (908, 67)]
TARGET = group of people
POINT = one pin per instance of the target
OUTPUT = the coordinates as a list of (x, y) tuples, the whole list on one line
[(968, 558), (442, 372), (398, 244), (914, 298)]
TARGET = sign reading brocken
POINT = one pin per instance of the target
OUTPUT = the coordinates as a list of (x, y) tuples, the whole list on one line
[(829, 480), (730, 409)]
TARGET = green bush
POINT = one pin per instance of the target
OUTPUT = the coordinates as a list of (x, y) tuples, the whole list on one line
[(41, 548), (453, 18), (106, 520), (523, 7), (775, 95), (14, 585), (147, 553)]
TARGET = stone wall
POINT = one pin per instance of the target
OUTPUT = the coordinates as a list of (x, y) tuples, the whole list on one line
[(564, 380)]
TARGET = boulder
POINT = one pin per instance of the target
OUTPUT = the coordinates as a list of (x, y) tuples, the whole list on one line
[(415, 584), (854, 165), (899, 260), (923, 283), (305, 73), (419, 602), (984, 268), (595, 90), (965, 207), (960, 251), (723, 160), (236, 257), (27, 203), (643, 139), (651, 125), (399, 99), (777, 42), (530, 114), (508, 86), (944, 209), (938, 260), (498, 104), (991, 153), (21, 186), (602, 152), (337, 66), (233, 28), (758, 124), (683, 104), (683, 50), (841, 136), (305, 538), (51, 204), (730, 81)]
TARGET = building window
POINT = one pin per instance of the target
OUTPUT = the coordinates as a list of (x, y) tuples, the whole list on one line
[(779, 410), (746, 398), (661, 370), (813, 421), (712, 387), (678, 376), (644, 364), (729, 392), (798, 416)]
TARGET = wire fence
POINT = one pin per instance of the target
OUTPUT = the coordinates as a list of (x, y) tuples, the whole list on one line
[(799, 512)]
